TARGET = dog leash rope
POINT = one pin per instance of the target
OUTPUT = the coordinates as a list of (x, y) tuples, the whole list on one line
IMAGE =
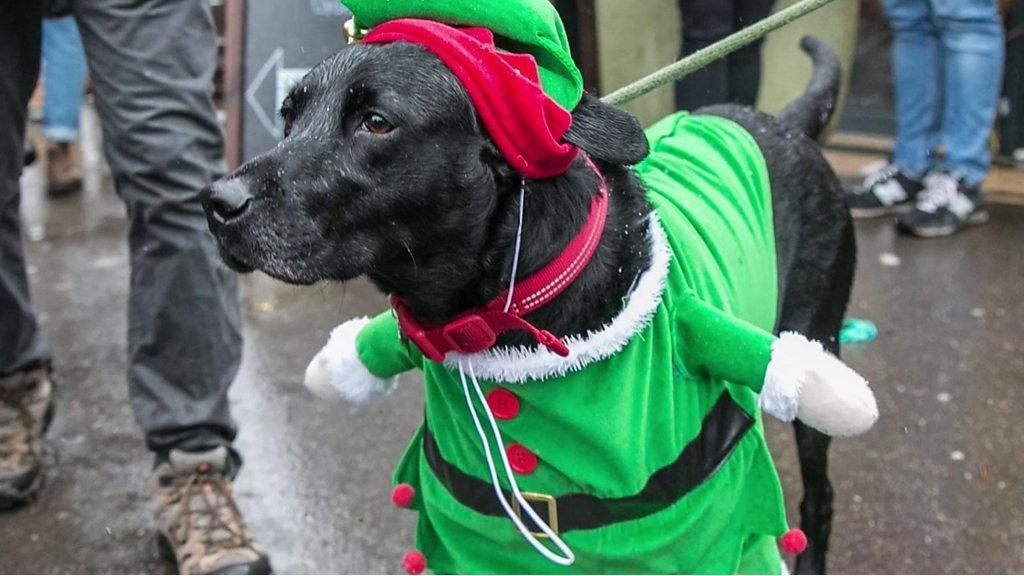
[(722, 48)]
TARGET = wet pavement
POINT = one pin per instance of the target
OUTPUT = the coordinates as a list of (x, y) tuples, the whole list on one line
[(936, 487)]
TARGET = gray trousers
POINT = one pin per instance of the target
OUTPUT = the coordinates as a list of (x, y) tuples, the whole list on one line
[(152, 64)]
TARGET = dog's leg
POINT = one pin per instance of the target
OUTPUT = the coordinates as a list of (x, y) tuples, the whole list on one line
[(812, 449), (816, 506), (806, 311)]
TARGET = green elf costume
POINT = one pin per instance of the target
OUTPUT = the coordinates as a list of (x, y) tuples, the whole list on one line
[(638, 447)]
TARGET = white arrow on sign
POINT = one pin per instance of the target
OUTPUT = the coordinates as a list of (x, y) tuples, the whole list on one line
[(284, 80), (269, 121)]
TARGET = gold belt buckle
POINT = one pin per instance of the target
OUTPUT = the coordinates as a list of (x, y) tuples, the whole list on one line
[(552, 510)]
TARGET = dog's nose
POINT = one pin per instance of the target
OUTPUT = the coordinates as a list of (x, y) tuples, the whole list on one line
[(227, 199)]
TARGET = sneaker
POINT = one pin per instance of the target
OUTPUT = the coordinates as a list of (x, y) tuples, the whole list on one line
[(946, 206), (887, 191), (200, 526), (63, 175), (26, 409)]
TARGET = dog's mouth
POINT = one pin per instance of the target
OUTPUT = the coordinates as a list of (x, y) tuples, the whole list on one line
[(233, 262)]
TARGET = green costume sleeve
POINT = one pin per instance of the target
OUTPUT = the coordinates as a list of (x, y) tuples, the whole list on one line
[(794, 377), (722, 346), (382, 350), (362, 360)]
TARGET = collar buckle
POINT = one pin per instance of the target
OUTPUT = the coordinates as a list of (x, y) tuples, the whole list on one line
[(469, 334)]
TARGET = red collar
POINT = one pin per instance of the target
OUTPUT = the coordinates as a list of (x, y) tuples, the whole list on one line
[(478, 330)]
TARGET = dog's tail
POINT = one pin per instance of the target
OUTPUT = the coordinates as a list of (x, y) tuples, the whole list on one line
[(812, 111)]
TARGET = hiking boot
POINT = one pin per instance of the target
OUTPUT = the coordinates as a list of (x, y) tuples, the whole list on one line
[(63, 175), (199, 524), (946, 206), (887, 191), (26, 409)]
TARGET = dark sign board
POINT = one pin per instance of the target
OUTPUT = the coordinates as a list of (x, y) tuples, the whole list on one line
[(283, 40)]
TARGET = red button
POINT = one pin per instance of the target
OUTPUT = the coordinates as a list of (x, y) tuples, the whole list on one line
[(522, 460), (504, 404)]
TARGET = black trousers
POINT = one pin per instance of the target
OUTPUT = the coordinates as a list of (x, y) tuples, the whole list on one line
[(152, 63), (21, 347), (732, 79)]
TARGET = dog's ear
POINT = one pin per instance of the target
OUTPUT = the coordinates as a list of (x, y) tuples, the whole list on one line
[(606, 132)]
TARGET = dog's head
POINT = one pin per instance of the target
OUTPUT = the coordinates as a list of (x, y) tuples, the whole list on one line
[(385, 169)]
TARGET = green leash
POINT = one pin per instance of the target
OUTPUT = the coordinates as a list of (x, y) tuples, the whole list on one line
[(702, 58)]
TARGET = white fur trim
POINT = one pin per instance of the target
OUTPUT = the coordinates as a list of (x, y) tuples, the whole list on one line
[(336, 370), (803, 381), (520, 364)]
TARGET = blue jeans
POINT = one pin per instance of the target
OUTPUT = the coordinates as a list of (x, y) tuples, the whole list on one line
[(64, 71), (948, 65)]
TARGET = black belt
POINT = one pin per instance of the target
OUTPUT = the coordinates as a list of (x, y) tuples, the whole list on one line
[(720, 432)]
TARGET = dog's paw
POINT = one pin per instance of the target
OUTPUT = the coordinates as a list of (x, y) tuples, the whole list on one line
[(337, 373), (806, 382)]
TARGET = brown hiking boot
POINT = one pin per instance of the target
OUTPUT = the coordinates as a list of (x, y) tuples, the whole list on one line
[(63, 175), (200, 525), (26, 408)]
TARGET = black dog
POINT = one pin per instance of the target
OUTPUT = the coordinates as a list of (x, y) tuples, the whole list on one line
[(387, 172)]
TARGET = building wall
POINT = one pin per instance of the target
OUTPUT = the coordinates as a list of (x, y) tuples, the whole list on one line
[(786, 70), (636, 37)]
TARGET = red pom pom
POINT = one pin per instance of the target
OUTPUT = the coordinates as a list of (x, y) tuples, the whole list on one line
[(414, 562), (794, 541), (403, 495)]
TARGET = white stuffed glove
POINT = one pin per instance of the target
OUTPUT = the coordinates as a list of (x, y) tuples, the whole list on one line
[(337, 372), (806, 382)]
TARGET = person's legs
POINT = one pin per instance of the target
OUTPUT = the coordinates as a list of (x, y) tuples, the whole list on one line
[(21, 346), (63, 76), (704, 23), (744, 74), (64, 73), (152, 63), (917, 70), (25, 391), (973, 53)]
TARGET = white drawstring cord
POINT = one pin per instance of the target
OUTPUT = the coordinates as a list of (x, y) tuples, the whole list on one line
[(519, 243), (568, 557)]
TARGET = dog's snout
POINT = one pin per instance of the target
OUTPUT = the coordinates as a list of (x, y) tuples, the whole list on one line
[(227, 199)]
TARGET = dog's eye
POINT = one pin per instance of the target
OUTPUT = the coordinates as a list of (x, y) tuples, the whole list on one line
[(377, 124)]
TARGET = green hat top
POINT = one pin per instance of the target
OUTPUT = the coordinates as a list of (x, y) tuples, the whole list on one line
[(523, 26)]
